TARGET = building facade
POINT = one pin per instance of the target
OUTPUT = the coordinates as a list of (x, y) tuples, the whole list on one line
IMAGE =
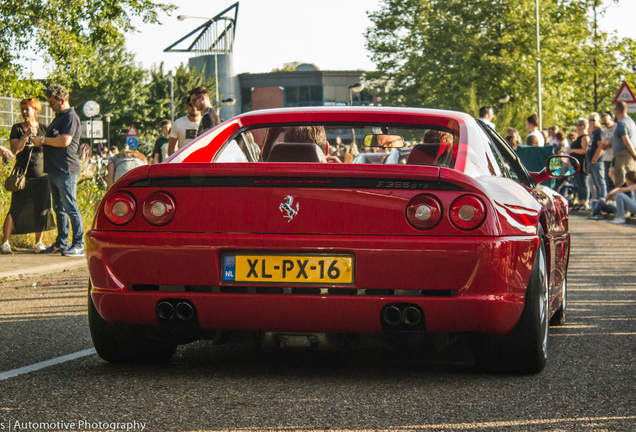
[(306, 86)]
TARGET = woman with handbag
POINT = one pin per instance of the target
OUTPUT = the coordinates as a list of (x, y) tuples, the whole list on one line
[(30, 210), (578, 149)]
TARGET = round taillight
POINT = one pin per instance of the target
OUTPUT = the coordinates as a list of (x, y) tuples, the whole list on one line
[(159, 208), (424, 212), (120, 208), (467, 212)]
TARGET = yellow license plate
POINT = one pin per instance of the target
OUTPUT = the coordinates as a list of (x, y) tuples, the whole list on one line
[(295, 269)]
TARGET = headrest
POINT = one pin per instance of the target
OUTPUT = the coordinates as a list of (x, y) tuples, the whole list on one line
[(296, 152), (426, 154)]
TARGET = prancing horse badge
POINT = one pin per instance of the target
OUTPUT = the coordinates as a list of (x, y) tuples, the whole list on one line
[(287, 207)]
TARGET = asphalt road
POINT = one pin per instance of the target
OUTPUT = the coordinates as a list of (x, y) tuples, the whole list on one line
[(588, 385)]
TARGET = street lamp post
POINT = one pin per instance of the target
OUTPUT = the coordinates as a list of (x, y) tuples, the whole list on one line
[(354, 88), (97, 117), (107, 118), (171, 97), (216, 63), (539, 108)]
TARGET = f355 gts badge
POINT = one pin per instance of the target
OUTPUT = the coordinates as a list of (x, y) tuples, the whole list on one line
[(288, 207)]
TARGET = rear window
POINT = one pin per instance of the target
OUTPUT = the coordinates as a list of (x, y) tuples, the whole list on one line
[(355, 144)]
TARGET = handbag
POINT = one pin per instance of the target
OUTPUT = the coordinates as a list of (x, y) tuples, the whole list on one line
[(17, 179)]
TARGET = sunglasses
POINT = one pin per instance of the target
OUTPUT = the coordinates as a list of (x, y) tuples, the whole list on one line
[(592, 120)]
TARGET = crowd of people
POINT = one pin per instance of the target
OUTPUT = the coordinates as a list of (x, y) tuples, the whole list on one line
[(49, 159), (48, 156), (605, 148)]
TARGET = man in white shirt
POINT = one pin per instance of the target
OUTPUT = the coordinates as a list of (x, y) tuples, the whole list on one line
[(184, 129), (532, 124)]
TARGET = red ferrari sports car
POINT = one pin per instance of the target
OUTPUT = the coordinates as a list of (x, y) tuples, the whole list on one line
[(251, 228)]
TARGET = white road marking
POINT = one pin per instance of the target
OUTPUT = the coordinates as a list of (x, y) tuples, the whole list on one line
[(45, 364)]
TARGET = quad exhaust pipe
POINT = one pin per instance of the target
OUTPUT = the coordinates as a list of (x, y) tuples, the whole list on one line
[(168, 310), (392, 315), (184, 311), (402, 317)]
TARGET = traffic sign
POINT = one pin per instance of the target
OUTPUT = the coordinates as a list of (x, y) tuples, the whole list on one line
[(625, 94), (132, 142), (92, 129), (132, 132)]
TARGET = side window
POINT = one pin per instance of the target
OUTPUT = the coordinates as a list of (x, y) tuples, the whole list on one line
[(516, 169), (495, 162), (505, 166)]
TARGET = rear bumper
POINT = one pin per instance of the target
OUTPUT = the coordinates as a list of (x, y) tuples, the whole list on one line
[(488, 277)]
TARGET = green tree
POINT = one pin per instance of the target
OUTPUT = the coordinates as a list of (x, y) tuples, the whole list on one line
[(184, 80), (430, 53), (608, 61), (119, 86), (288, 67), (65, 33), (134, 95)]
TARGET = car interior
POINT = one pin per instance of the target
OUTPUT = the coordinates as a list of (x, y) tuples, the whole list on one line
[(369, 144)]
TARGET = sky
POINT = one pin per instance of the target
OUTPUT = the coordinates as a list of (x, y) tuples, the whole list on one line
[(270, 33)]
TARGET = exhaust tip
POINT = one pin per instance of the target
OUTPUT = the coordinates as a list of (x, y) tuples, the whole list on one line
[(392, 315), (165, 310), (184, 311), (412, 316)]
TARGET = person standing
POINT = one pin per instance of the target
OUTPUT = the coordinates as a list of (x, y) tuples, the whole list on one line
[(160, 151), (30, 210), (578, 150), (200, 98), (532, 124), (552, 136), (595, 167), (486, 115), (184, 128), (62, 164), (623, 144), (607, 134)]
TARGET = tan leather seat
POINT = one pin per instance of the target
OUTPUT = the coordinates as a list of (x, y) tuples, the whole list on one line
[(426, 154)]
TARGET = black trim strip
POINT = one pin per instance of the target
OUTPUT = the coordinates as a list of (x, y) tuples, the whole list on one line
[(287, 290), (307, 182)]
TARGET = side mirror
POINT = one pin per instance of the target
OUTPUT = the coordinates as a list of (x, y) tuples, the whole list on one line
[(557, 166), (384, 141)]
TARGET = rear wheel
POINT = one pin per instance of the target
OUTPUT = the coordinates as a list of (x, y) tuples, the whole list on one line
[(525, 349), (558, 319), (125, 343)]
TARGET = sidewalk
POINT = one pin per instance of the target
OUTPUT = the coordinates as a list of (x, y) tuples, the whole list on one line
[(23, 262), (631, 220)]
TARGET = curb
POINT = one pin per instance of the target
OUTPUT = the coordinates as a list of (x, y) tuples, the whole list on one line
[(45, 269), (608, 217)]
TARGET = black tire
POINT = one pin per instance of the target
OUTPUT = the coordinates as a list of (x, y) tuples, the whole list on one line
[(125, 343), (558, 319), (525, 349)]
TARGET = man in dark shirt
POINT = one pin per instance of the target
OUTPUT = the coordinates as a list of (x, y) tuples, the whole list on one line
[(62, 164), (200, 98), (159, 153)]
